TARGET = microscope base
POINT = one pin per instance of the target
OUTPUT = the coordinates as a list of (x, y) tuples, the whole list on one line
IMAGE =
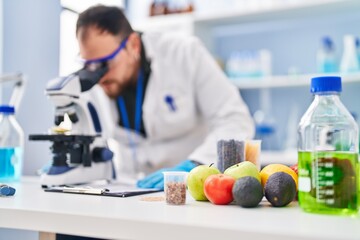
[(80, 174)]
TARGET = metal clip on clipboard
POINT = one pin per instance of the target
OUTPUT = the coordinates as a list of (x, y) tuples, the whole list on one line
[(96, 191)]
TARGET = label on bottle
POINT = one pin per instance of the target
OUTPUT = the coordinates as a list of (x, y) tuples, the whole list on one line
[(304, 184)]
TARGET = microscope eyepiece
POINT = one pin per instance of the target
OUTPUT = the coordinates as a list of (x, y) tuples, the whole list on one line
[(89, 78), (73, 117), (58, 119)]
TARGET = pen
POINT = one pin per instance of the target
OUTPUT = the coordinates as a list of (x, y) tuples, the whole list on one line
[(84, 190)]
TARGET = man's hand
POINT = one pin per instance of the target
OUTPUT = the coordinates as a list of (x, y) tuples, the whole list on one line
[(156, 179)]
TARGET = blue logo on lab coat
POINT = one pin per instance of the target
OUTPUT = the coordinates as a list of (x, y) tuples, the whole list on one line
[(169, 100)]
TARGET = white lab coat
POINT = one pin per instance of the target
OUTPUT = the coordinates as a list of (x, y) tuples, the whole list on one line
[(207, 108)]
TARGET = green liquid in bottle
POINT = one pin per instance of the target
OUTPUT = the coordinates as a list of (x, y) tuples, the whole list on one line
[(358, 171), (328, 182)]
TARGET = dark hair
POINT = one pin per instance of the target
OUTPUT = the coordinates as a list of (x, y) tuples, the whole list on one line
[(105, 18)]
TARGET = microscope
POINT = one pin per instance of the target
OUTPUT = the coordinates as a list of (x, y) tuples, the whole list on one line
[(80, 154)]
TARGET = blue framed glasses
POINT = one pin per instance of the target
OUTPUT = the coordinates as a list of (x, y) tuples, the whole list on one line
[(97, 63)]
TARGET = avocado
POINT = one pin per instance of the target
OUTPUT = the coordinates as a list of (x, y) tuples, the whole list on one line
[(247, 192), (280, 189)]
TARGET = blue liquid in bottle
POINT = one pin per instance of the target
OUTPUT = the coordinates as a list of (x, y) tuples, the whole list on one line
[(10, 164), (11, 145)]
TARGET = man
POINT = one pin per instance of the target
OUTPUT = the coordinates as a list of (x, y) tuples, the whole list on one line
[(173, 101)]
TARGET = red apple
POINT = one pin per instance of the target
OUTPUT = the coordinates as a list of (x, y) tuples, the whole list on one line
[(218, 189), (294, 168)]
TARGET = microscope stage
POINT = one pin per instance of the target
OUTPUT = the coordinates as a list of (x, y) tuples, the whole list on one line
[(63, 137)]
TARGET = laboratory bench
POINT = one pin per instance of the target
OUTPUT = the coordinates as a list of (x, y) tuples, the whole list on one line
[(133, 218)]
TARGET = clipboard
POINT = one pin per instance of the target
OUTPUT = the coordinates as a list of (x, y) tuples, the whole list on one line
[(101, 191)]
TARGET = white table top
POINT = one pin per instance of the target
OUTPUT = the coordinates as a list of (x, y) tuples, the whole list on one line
[(130, 218)]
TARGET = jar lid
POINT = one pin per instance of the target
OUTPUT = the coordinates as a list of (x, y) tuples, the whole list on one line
[(7, 109), (325, 84)]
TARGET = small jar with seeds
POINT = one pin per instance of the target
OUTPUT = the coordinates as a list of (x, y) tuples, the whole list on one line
[(175, 187)]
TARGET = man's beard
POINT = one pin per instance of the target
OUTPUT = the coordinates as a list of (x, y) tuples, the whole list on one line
[(119, 87)]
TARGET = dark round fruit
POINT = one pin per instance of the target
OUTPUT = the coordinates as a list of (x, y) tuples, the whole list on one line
[(247, 192), (280, 189)]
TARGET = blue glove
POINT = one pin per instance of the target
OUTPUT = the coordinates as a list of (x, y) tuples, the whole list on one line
[(156, 179)]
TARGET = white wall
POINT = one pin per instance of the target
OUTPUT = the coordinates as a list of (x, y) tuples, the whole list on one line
[(1, 42), (31, 45), (1, 38)]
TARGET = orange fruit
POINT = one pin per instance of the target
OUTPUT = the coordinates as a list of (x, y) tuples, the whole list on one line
[(267, 171)]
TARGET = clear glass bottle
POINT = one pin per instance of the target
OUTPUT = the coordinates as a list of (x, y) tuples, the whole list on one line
[(349, 61), (357, 44), (328, 152), (11, 145), (325, 57)]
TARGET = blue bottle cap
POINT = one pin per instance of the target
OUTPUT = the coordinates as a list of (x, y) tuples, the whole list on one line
[(4, 190), (7, 191), (7, 109), (325, 84), (265, 129), (327, 42)]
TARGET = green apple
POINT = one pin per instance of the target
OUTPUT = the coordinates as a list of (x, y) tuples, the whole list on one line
[(243, 169), (196, 178)]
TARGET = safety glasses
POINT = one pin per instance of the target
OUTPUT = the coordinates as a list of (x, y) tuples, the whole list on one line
[(99, 63)]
